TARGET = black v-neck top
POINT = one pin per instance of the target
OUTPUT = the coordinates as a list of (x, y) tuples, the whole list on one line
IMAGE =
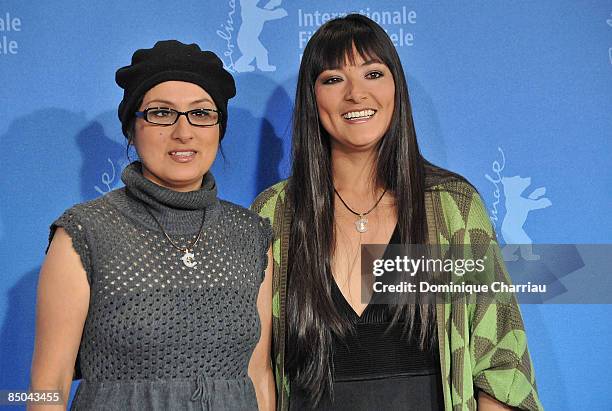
[(377, 366)]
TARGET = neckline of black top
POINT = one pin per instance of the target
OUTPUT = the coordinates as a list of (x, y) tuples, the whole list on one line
[(374, 312), (376, 348)]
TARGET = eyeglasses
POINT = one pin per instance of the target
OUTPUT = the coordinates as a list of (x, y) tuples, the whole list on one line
[(200, 117)]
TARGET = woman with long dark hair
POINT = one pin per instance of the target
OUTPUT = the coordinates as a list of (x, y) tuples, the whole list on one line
[(358, 178), (157, 294)]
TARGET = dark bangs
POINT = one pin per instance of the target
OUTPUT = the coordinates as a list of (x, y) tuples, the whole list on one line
[(338, 42)]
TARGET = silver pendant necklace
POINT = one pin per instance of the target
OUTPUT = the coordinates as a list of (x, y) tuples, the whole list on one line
[(361, 225), (188, 257)]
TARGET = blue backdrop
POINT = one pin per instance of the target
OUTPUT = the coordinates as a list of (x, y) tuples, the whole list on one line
[(516, 96)]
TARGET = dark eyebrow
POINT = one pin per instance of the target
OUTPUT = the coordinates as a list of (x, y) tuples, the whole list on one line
[(159, 101), (201, 100)]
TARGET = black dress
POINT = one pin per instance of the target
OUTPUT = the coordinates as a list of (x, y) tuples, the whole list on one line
[(376, 367)]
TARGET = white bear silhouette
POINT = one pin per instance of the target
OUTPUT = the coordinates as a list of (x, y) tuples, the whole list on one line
[(253, 19), (517, 209)]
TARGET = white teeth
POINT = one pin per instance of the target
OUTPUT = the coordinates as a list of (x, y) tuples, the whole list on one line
[(359, 114), (182, 153)]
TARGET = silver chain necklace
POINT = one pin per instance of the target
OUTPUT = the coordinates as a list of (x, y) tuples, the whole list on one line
[(361, 224), (188, 257)]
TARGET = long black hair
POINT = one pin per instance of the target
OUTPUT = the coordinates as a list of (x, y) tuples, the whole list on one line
[(311, 314)]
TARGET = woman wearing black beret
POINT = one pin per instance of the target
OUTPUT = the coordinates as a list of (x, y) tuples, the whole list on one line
[(158, 295)]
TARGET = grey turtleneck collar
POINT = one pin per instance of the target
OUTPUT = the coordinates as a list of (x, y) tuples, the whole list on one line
[(178, 212)]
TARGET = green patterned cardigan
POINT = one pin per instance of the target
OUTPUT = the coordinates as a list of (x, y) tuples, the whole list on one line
[(482, 346)]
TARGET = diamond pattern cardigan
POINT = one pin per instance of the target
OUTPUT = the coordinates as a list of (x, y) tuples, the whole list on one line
[(482, 346)]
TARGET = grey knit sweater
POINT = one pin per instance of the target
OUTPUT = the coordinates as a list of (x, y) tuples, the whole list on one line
[(160, 334)]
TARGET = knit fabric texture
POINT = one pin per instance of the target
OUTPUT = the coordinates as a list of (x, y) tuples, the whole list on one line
[(158, 333)]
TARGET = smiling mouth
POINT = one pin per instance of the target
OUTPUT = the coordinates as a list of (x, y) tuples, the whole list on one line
[(359, 115), (182, 153), (183, 156)]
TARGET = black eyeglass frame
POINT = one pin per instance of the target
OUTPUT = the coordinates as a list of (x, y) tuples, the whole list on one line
[(144, 115)]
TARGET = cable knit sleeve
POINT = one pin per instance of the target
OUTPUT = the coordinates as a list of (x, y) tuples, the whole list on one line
[(492, 352), (502, 363), (71, 222)]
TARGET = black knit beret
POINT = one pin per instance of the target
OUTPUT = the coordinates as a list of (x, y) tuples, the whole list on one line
[(173, 60)]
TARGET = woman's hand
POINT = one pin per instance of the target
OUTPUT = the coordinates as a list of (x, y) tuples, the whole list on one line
[(260, 365), (61, 309)]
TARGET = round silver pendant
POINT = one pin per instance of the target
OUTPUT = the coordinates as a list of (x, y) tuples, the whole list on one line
[(188, 259), (362, 224)]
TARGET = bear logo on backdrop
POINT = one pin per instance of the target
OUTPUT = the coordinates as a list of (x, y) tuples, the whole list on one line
[(528, 262), (254, 55), (517, 208)]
